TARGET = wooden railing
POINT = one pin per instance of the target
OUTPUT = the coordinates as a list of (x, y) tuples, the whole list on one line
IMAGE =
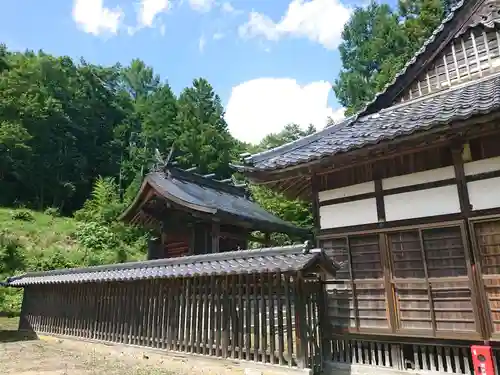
[(436, 357)]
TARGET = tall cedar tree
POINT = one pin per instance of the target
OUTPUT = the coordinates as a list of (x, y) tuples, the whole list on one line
[(202, 135)]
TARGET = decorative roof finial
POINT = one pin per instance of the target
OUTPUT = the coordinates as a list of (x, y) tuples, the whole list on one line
[(170, 154)]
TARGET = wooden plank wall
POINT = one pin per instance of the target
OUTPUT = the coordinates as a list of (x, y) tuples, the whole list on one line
[(270, 318), (474, 54)]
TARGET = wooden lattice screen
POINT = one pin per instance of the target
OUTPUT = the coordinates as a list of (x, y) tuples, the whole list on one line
[(428, 278), (357, 298)]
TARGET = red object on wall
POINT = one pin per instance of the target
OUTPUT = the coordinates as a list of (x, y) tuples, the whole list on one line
[(482, 358)]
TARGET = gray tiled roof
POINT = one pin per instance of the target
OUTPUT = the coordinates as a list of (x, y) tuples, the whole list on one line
[(458, 103), (214, 197), (284, 259)]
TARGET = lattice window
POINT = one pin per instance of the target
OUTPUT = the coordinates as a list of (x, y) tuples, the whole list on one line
[(357, 298), (445, 252), (407, 259), (429, 277), (337, 249), (365, 257)]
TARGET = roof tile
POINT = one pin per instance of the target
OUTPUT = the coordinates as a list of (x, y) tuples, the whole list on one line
[(458, 103), (285, 259)]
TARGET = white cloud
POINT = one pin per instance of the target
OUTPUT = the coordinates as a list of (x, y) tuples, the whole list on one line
[(149, 9), (321, 21), (94, 18), (218, 36), (265, 105), (201, 5), (338, 115), (227, 7), (162, 30), (201, 43)]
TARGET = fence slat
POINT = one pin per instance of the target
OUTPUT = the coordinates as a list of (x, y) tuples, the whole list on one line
[(232, 316)]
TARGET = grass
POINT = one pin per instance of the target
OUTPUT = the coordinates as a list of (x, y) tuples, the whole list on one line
[(8, 324), (36, 241), (44, 231)]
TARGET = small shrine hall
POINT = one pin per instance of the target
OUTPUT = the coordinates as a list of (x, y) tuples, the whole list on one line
[(190, 214)]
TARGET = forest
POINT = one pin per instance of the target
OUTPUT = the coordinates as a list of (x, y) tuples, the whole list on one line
[(77, 138)]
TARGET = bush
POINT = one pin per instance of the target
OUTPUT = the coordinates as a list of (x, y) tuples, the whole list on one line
[(95, 236), (22, 215), (52, 211), (11, 253)]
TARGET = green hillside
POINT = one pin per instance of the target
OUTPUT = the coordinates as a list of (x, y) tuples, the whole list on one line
[(31, 240)]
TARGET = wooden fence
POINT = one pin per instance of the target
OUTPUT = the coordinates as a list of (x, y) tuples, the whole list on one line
[(267, 318)]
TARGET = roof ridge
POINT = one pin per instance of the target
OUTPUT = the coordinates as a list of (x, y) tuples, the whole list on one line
[(200, 180)]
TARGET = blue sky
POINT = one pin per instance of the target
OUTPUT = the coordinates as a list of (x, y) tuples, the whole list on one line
[(272, 62)]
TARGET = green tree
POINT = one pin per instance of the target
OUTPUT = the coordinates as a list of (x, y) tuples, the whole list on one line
[(66, 115), (377, 42), (290, 133), (201, 133), (295, 211)]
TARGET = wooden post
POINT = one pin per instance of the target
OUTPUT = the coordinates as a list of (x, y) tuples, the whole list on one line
[(315, 186), (215, 237), (225, 316), (23, 319), (267, 239), (300, 322), (324, 324)]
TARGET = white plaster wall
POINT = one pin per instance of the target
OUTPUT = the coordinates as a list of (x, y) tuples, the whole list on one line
[(482, 166), (432, 175), (422, 203), (348, 191), (484, 194), (350, 213)]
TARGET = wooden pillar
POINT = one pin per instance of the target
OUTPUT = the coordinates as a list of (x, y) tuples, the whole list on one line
[(191, 238), (267, 239), (478, 296), (300, 322), (324, 323), (315, 186), (225, 316), (458, 165), (154, 248), (215, 237), (23, 319)]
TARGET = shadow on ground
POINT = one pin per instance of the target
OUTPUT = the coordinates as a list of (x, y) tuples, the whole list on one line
[(10, 333), (13, 336)]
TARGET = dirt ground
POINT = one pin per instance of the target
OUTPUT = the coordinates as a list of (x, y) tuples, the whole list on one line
[(49, 355), (27, 356)]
